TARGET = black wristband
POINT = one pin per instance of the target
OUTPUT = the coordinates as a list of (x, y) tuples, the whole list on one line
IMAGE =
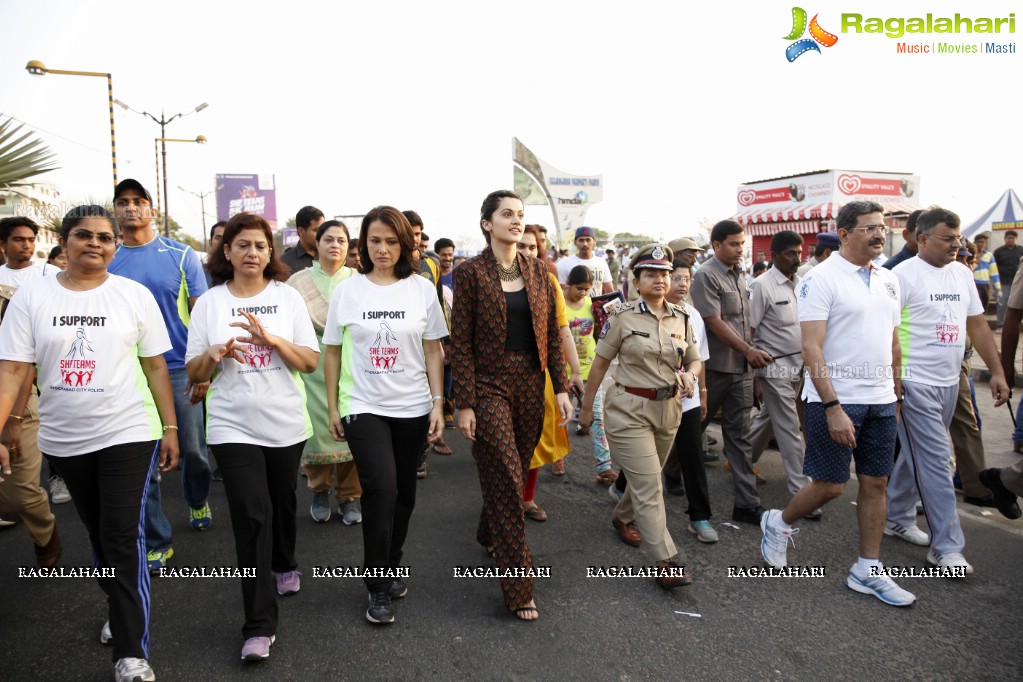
[(831, 404)]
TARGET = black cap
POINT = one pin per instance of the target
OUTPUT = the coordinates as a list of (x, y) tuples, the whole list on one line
[(133, 184)]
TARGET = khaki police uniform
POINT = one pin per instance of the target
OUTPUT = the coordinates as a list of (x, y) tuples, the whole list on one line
[(643, 407)]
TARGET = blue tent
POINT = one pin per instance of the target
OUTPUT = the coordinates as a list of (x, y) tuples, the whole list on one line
[(1008, 209)]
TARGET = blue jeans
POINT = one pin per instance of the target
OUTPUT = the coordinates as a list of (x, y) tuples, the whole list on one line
[(195, 466), (195, 459)]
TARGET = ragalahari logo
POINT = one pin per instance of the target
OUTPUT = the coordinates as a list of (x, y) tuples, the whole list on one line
[(817, 35)]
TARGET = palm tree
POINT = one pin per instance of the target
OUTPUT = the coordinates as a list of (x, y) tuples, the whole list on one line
[(22, 156)]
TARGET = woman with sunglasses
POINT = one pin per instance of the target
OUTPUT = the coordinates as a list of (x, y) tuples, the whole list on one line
[(98, 342)]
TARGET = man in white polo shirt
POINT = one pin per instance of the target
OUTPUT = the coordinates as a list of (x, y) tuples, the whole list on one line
[(848, 314), (940, 306)]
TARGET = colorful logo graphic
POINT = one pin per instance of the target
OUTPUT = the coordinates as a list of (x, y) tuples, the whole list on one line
[(383, 354), (582, 197), (817, 35), (77, 368)]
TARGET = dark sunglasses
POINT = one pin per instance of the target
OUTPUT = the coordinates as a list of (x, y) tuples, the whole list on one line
[(86, 235)]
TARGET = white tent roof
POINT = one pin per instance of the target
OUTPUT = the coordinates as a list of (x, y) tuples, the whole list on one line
[(1007, 209)]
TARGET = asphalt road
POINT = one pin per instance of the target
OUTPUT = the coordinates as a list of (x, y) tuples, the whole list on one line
[(590, 628)]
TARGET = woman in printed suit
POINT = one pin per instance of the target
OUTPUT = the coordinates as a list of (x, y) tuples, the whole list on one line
[(504, 331)]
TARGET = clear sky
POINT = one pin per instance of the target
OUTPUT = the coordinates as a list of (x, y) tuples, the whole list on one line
[(414, 104)]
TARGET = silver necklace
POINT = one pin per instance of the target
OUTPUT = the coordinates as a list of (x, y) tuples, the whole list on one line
[(80, 287)]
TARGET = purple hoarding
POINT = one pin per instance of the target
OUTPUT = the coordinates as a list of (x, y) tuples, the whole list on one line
[(250, 193)]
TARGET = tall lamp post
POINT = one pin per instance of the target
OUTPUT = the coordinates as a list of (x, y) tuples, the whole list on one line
[(37, 68), (202, 206), (162, 122), (157, 142)]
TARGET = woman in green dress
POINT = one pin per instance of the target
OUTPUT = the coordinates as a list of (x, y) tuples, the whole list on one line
[(322, 453)]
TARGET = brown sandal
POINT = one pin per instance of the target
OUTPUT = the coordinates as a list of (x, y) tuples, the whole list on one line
[(536, 513)]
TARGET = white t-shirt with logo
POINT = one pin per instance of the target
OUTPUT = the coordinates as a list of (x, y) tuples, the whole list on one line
[(700, 332), (597, 266), (87, 345), (861, 320), (932, 331), (261, 402), (381, 330), (17, 278)]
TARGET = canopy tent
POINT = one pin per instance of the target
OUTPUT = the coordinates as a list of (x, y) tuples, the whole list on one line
[(1005, 214)]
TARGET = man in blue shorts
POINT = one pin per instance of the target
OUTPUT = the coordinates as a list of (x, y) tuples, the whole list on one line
[(848, 314)]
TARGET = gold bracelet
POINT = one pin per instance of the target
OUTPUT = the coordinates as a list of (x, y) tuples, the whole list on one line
[(16, 418), (170, 426)]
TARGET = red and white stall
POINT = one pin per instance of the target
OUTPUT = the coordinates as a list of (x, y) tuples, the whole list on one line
[(808, 203)]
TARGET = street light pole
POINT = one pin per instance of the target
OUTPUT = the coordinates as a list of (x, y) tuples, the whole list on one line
[(162, 141), (37, 68), (163, 122), (202, 206)]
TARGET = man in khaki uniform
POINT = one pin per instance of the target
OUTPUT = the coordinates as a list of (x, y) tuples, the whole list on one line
[(654, 343)]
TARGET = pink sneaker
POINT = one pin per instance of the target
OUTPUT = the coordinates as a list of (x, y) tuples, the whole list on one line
[(257, 648), (288, 582)]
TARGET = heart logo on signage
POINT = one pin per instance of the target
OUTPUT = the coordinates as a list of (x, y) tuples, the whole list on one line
[(747, 197), (849, 184)]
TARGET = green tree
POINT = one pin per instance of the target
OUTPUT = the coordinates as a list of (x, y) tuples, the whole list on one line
[(22, 156), (177, 233), (632, 239)]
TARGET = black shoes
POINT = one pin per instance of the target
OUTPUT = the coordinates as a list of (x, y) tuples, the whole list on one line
[(986, 501), (398, 589), (673, 487), (380, 610), (1005, 499), (748, 515)]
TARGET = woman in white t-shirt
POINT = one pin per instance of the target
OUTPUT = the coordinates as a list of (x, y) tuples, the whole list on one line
[(256, 422), (106, 409), (384, 370)]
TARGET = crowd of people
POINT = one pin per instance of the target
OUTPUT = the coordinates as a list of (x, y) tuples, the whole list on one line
[(344, 360)]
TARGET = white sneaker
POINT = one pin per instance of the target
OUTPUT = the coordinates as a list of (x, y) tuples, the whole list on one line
[(910, 534), (4, 523), (105, 636), (774, 546), (881, 586), (58, 491), (133, 670), (950, 560), (703, 531)]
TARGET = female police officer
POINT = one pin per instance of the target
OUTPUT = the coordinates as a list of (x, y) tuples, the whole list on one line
[(657, 358)]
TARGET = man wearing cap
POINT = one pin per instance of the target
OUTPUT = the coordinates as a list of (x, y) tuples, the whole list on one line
[(657, 359), (827, 243), (719, 293), (585, 240), (909, 236), (303, 254), (688, 250), (172, 273)]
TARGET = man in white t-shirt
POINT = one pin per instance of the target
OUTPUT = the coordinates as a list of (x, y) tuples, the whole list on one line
[(21, 498), (848, 314), (585, 240), (940, 306)]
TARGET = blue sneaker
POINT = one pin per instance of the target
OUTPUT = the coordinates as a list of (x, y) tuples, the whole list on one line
[(157, 558), (200, 517), (881, 586)]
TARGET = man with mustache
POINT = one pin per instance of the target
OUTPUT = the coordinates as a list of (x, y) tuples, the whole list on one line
[(940, 305), (848, 315)]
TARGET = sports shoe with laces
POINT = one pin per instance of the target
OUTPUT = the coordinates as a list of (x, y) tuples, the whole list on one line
[(105, 636), (950, 560), (58, 491), (380, 610), (881, 586), (351, 513), (320, 508), (910, 534), (774, 546), (398, 588), (200, 518), (157, 558), (703, 531), (288, 582), (257, 648), (133, 670)]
